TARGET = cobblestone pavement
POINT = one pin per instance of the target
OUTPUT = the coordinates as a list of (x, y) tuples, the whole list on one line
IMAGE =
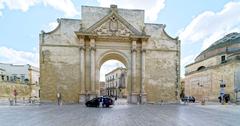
[(121, 115)]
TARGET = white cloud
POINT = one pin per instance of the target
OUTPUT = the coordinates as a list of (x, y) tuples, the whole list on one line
[(108, 66), (151, 7), (210, 26), (65, 6), (22, 5), (185, 61), (1, 7), (9, 55)]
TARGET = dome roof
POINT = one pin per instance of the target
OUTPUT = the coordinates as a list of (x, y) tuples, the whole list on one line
[(227, 40)]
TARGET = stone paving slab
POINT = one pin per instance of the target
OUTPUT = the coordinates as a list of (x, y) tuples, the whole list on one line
[(120, 115)]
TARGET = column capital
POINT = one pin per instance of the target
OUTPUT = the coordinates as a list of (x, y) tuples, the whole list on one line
[(82, 48), (133, 50), (81, 37), (143, 50), (134, 46), (92, 48), (145, 39)]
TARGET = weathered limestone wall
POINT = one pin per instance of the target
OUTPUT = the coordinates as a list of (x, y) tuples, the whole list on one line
[(59, 62), (60, 73), (63, 34), (210, 79), (162, 65), (207, 63), (7, 89)]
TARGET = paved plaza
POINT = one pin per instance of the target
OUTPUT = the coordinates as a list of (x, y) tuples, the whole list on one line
[(120, 115)]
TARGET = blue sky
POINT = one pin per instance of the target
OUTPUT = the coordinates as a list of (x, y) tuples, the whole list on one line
[(198, 23)]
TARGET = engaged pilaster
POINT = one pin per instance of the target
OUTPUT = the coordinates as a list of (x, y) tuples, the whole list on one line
[(142, 90), (82, 71), (133, 93), (93, 76)]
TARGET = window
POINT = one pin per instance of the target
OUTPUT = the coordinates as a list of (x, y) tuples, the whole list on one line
[(2, 77), (22, 78), (15, 78), (201, 68), (223, 59)]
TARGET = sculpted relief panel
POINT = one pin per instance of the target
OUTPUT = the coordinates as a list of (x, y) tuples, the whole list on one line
[(113, 27)]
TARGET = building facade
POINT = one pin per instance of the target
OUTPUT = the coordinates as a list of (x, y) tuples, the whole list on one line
[(22, 78), (218, 63), (72, 54), (116, 82), (23, 74), (102, 90)]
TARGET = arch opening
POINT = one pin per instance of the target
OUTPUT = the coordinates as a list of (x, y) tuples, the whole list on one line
[(201, 68), (112, 76)]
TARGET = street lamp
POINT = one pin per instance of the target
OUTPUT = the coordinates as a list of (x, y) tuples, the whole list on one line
[(202, 93), (222, 92)]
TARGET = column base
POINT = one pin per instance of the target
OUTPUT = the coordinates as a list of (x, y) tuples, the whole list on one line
[(136, 98), (133, 98), (82, 98), (143, 98)]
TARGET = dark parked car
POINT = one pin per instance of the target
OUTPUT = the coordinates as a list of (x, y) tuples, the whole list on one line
[(95, 102), (188, 99)]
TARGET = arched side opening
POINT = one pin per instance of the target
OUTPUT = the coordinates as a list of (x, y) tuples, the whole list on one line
[(119, 77), (201, 68)]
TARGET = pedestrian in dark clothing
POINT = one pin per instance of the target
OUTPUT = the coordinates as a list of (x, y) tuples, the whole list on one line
[(59, 98), (15, 95)]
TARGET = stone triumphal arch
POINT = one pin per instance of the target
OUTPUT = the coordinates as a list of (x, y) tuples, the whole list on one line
[(71, 56)]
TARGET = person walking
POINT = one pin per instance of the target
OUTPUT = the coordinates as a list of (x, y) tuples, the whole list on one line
[(59, 99), (15, 96)]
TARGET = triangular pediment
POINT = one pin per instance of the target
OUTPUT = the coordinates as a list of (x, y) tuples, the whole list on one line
[(113, 25)]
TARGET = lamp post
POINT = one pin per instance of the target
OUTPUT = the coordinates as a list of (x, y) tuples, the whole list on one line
[(222, 92), (202, 94)]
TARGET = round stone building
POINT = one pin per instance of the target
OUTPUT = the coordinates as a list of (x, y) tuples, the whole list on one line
[(218, 63)]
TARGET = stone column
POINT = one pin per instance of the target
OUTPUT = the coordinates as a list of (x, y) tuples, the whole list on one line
[(133, 93), (142, 90), (82, 71), (93, 70)]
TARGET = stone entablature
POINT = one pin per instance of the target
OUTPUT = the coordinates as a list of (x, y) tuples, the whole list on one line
[(72, 54)]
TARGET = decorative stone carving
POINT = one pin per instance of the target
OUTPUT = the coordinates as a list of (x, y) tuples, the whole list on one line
[(113, 27)]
